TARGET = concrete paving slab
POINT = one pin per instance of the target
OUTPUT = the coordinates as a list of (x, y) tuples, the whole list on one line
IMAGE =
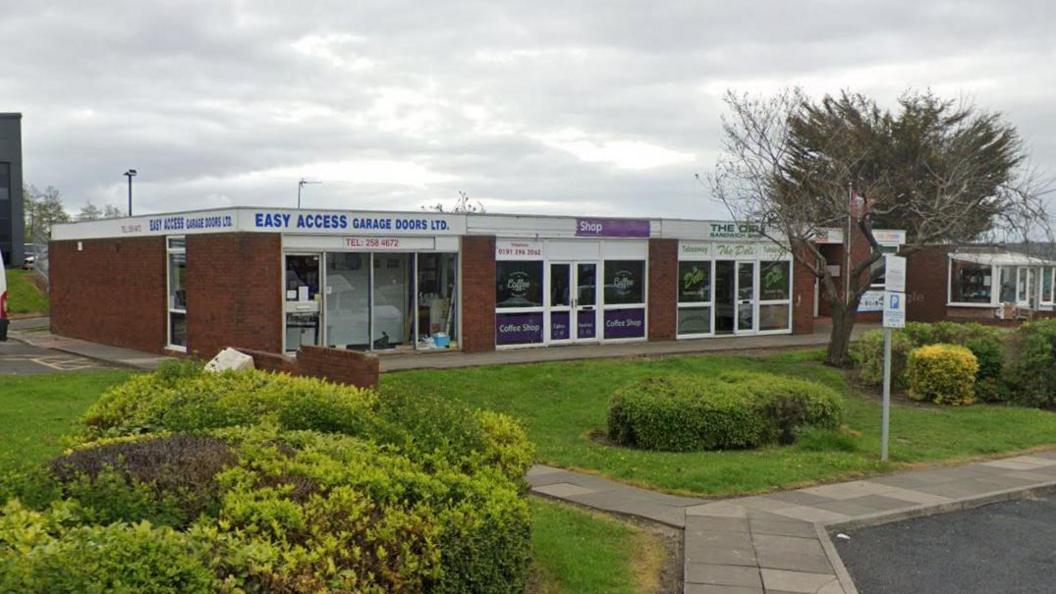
[(809, 514), (791, 553), (795, 581), (723, 575), (562, 490), (712, 589), (848, 490), (800, 498), (864, 505), (719, 510), (1020, 463), (782, 527), (720, 554), (716, 524)]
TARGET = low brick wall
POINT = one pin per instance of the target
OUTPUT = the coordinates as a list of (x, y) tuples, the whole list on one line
[(336, 365)]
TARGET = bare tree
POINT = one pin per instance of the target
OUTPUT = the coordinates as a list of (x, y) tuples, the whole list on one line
[(944, 172), (462, 205), (90, 212)]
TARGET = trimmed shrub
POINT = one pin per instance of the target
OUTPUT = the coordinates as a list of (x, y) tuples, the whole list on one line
[(45, 553), (986, 343), (305, 486), (1031, 376), (421, 425), (867, 352), (167, 480), (735, 410), (943, 374)]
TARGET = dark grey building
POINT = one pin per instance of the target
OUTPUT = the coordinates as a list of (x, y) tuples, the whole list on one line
[(12, 223)]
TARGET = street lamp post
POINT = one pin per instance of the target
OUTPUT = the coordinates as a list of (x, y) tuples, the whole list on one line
[(300, 184), (130, 174)]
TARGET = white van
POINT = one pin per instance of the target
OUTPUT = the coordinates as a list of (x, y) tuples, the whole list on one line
[(3, 300)]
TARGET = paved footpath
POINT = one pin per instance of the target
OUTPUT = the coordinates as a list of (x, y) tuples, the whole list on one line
[(779, 543)]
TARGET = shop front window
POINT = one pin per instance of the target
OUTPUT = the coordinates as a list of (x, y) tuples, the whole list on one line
[(624, 282), (348, 300), (1046, 284), (971, 282), (1008, 284), (624, 299), (392, 301), (518, 284), (694, 298), (775, 297), (774, 277), (177, 281), (438, 299), (302, 300)]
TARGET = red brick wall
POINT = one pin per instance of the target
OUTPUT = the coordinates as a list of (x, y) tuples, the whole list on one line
[(926, 272), (234, 292), (478, 293), (802, 299), (336, 365), (339, 365), (111, 292), (663, 288)]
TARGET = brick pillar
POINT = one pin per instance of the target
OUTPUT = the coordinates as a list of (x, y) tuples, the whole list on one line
[(802, 299), (234, 292), (663, 285), (478, 293)]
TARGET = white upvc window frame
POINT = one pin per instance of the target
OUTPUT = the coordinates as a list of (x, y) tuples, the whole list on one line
[(760, 302), (169, 300), (995, 287), (1051, 285), (709, 304)]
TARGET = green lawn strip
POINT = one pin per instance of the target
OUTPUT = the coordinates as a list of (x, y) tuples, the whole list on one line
[(23, 296), (37, 410), (577, 552), (562, 403)]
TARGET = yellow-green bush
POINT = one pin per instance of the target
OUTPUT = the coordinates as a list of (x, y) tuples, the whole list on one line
[(49, 552), (942, 373), (292, 485)]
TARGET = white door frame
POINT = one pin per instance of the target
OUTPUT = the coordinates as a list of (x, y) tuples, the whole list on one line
[(573, 309), (754, 300)]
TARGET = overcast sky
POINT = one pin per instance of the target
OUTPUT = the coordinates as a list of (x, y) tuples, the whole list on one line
[(571, 107)]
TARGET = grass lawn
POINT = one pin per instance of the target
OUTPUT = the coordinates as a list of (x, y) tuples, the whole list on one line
[(561, 404), (37, 410), (575, 552), (23, 297)]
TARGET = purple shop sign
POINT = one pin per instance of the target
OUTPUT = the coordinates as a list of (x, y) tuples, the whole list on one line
[(612, 227), (519, 328), (559, 325), (624, 323)]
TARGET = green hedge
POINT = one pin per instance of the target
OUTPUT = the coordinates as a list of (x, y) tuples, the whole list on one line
[(735, 410), (1031, 374), (987, 343), (49, 553), (296, 485)]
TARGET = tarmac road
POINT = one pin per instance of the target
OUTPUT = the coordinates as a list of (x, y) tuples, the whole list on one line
[(1003, 548), (21, 359)]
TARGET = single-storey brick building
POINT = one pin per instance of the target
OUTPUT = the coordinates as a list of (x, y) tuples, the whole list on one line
[(272, 280)]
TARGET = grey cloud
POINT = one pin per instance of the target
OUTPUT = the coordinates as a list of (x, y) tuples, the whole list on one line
[(226, 103)]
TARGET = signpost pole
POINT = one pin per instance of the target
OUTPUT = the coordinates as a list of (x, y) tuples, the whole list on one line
[(885, 422), (894, 317)]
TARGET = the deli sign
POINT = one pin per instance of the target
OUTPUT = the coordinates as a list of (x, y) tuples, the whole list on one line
[(735, 230)]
